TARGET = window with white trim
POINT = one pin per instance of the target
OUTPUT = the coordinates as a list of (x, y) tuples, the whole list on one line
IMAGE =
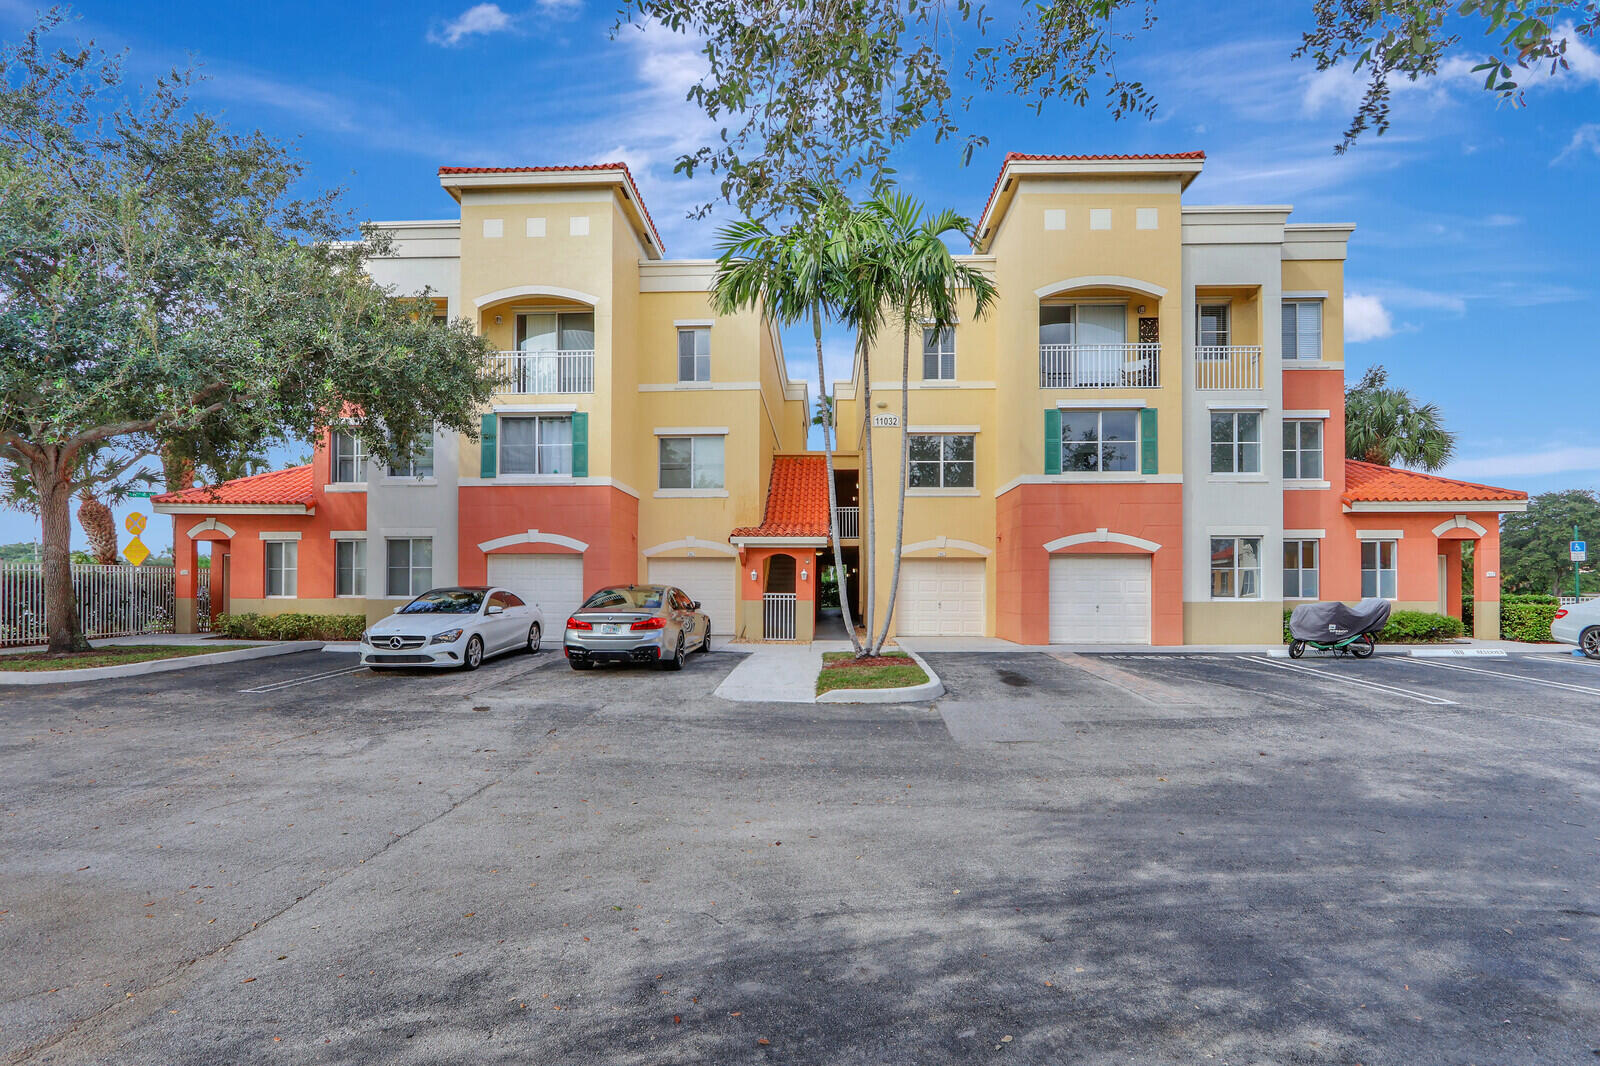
[(283, 565), (1302, 449), (1300, 575), (1302, 329), (1379, 570), (1212, 326), (349, 568), (1236, 442), (420, 462), (942, 461), (535, 444), (694, 353), (348, 459), (938, 354), (692, 462), (1099, 440), (1235, 568), (410, 566)]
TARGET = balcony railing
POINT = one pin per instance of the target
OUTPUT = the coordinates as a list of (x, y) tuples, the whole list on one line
[(849, 522), (1227, 366), (546, 371), (1099, 366)]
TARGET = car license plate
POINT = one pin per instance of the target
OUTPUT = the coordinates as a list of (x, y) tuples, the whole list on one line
[(611, 627)]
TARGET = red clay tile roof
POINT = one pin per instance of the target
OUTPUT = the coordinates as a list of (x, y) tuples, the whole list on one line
[(277, 487), (628, 174), (1025, 157), (797, 499), (1372, 483)]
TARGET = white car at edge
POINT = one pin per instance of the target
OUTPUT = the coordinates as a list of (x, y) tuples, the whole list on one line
[(454, 627), (1579, 624)]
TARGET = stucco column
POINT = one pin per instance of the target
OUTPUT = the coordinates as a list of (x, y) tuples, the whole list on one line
[(186, 557), (1486, 589)]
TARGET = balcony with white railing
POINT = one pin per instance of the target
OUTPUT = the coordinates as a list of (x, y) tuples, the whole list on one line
[(1100, 366), (849, 519), (545, 372), (1227, 366)]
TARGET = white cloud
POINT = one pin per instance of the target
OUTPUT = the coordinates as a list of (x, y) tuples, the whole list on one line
[(1365, 318), (1553, 459), (1585, 140), (475, 20), (560, 9)]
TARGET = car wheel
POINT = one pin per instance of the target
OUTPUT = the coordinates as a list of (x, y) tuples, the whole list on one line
[(472, 658), (678, 656), (1364, 646), (1589, 641), (1297, 648), (705, 642), (533, 639)]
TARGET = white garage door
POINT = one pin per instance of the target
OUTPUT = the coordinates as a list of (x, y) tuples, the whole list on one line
[(940, 598), (711, 581), (1100, 599), (553, 583)]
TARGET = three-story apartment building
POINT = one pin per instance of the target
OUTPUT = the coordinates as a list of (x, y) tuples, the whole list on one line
[(1142, 442)]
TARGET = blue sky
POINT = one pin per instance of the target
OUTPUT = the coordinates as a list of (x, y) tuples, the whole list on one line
[(1473, 274)]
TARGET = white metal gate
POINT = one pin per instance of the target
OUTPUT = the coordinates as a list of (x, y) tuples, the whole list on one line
[(777, 615), (113, 601)]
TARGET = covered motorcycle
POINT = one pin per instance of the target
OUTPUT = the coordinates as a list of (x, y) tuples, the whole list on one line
[(1338, 627)]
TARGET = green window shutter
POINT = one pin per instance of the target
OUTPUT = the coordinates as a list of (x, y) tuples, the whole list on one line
[(488, 442), (1052, 441), (580, 444), (1149, 451)]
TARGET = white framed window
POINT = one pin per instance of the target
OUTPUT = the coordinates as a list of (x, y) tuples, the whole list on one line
[(942, 461), (420, 462), (349, 568), (536, 444), (1379, 569), (1302, 329), (1302, 449), (410, 566), (1236, 442), (550, 331), (938, 354), (1300, 571), (1213, 326), (348, 462), (694, 353), (1236, 568), (1099, 440), (691, 462), (283, 565)]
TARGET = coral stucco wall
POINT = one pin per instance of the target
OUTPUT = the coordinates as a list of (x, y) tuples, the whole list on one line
[(601, 516)]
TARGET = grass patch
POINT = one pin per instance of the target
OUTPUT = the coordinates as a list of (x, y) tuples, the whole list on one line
[(892, 670), (111, 655)]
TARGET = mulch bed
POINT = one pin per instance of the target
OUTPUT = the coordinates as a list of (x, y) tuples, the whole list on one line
[(871, 660)]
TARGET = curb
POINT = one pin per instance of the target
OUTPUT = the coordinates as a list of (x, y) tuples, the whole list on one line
[(1408, 653), (154, 666), (931, 689)]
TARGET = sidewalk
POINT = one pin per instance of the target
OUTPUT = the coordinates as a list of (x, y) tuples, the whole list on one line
[(994, 645)]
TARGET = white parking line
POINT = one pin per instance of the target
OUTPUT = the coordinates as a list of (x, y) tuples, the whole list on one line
[(1546, 683), (1356, 682), (307, 679)]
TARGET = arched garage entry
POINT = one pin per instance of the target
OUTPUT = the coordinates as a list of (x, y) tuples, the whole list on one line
[(1100, 586)]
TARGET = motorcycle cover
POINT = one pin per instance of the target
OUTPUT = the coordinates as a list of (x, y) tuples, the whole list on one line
[(1329, 623)]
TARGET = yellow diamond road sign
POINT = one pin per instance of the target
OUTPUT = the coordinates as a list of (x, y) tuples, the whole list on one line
[(135, 523), (136, 553)]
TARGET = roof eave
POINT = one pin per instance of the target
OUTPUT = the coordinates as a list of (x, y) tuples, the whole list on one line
[(1434, 506)]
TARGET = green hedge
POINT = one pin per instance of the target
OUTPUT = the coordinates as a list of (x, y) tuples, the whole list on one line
[(1407, 627), (1527, 617), (253, 626)]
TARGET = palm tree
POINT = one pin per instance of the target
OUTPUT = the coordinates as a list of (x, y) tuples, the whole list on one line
[(1386, 425), (789, 274), (924, 283)]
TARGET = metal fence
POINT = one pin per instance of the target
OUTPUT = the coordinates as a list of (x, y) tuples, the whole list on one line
[(1569, 601), (778, 611), (113, 601)]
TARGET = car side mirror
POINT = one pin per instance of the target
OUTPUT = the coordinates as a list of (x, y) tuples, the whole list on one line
[(495, 608), (397, 610), (694, 605)]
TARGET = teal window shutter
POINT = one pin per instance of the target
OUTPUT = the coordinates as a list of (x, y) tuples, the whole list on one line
[(1052, 440), (580, 444), (1149, 450), (489, 442)]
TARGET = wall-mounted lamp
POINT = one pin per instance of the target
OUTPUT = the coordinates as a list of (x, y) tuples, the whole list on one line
[(882, 404), (755, 576), (497, 320), (803, 576), (1141, 309)]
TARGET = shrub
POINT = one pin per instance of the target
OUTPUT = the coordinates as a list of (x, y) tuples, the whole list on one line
[(1420, 627), (252, 626), (1288, 638), (1527, 617)]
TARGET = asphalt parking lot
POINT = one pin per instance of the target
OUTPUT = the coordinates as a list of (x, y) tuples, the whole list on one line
[(1097, 859)]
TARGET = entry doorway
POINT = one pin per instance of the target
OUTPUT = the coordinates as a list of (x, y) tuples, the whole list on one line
[(778, 600)]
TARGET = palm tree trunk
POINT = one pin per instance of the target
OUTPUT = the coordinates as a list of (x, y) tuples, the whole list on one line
[(868, 498), (99, 526), (905, 464), (840, 573), (52, 480)]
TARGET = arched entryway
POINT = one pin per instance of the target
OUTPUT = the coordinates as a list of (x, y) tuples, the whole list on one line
[(779, 599)]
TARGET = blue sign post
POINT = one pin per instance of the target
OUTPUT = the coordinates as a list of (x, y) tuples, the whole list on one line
[(1580, 553)]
